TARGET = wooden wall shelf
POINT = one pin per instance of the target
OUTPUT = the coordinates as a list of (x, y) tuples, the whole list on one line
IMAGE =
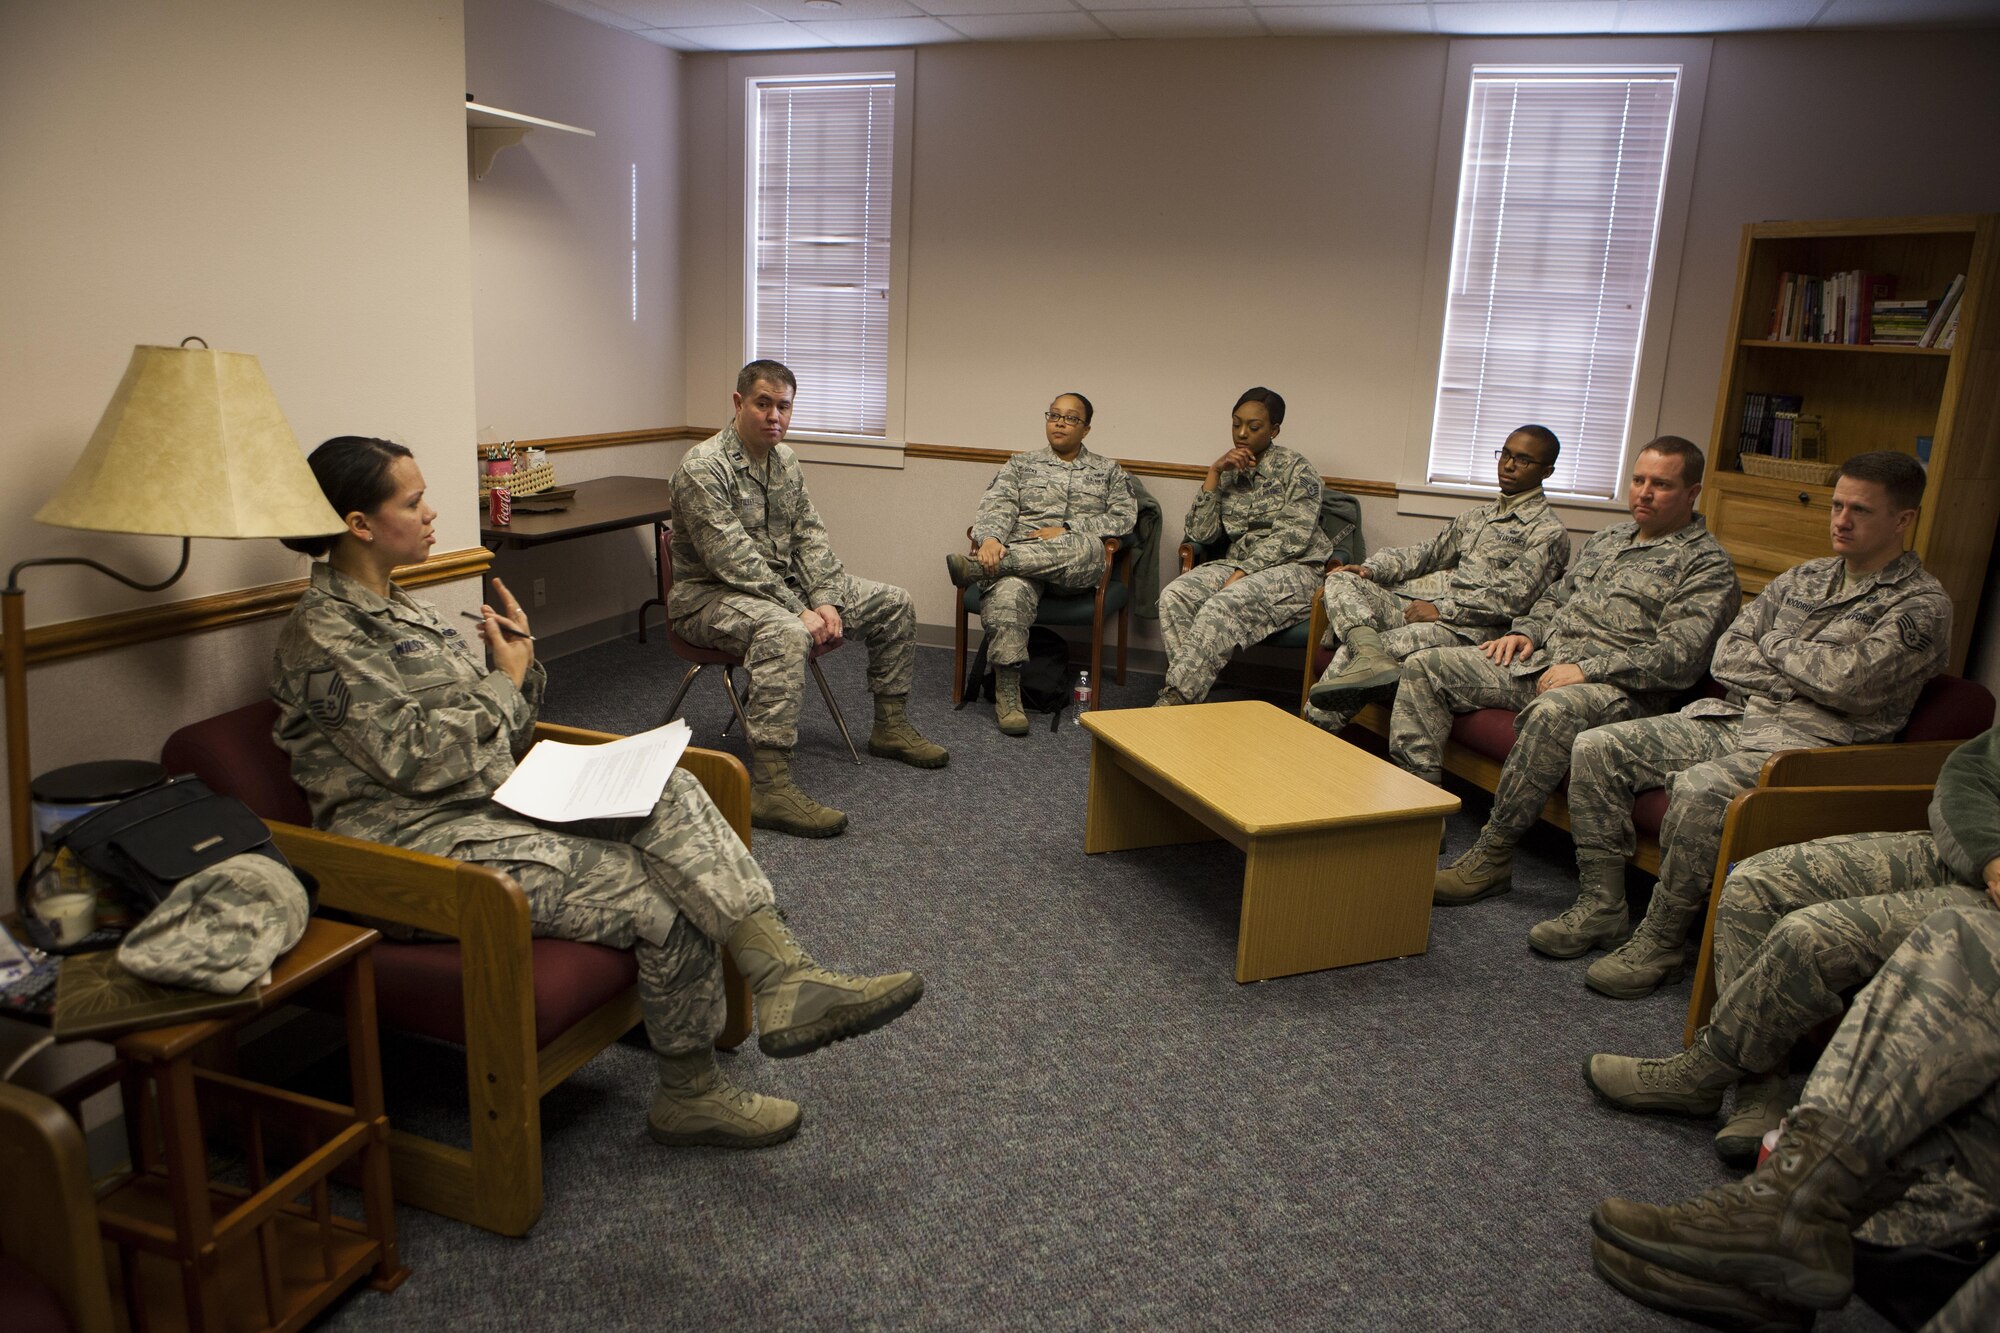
[(488, 129)]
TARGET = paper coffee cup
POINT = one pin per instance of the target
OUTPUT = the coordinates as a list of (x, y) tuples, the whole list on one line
[(69, 916)]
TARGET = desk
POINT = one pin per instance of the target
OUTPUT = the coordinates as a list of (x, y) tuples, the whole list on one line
[(250, 1257), (1339, 847), (606, 504)]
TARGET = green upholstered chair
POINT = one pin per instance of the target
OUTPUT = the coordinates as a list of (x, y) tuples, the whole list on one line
[(1113, 595)]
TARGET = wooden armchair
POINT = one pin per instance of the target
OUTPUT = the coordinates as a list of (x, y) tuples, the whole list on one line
[(1807, 794), (51, 1258), (529, 1012), (1112, 594)]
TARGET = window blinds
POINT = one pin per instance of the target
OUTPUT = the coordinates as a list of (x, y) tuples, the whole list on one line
[(820, 288), (1552, 260)]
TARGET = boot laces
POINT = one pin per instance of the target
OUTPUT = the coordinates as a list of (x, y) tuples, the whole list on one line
[(1675, 1073)]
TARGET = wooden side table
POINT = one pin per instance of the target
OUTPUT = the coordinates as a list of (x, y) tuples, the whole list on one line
[(251, 1257)]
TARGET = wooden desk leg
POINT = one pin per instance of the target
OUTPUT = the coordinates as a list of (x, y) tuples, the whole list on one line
[(364, 1067), (1124, 813), (187, 1184), (1353, 894)]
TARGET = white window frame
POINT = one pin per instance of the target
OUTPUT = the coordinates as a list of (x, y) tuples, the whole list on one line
[(1419, 495), (744, 74)]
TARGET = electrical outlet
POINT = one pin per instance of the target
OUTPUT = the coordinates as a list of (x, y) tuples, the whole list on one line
[(541, 590)]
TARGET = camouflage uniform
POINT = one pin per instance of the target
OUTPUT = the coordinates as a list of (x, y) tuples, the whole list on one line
[(1090, 496), (1638, 616), (749, 554), (1914, 1070), (1486, 567), (1271, 517), (399, 734), (1810, 662), (1799, 925)]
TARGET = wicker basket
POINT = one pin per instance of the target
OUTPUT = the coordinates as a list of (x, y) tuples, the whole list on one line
[(521, 481), (1788, 469)]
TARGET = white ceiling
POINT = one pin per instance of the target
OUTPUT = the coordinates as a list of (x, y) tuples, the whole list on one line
[(774, 25)]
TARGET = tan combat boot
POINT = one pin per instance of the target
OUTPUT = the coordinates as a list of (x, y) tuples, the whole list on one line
[(775, 803), (1718, 1304), (1691, 1083), (1370, 674), (1781, 1232), (1654, 956), (1596, 920), (1475, 875), (800, 1005), (1169, 697), (1761, 1103), (964, 570), (696, 1105), (1007, 701), (894, 737)]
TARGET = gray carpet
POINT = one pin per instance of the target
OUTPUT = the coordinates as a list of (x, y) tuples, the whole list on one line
[(1087, 1122)]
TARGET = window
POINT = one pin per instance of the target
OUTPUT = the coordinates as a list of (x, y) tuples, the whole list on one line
[(821, 172), (1560, 192)]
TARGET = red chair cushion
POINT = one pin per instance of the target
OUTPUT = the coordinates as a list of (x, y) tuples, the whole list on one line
[(419, 987), (1486, 731), (1648, 810), (234, 754), (1951, 708)]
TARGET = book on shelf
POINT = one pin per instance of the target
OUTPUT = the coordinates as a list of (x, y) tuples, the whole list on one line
[(1901, 323), (1949, 337), (1758, 426), (1836, 308), (1947, 307)]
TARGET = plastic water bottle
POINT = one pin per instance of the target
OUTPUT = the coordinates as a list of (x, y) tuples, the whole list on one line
[(1080, 696)]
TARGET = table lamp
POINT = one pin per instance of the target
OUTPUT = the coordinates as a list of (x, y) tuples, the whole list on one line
[(193, 445)]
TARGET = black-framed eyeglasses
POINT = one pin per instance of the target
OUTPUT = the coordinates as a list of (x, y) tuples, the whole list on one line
[(1062, 418), (1517, 458)]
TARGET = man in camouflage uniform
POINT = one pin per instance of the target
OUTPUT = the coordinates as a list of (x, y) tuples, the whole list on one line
[(400, 735), (1795, 928), (1833, 652), (1265, 499), (1627, 627), (1041, 525), (1908, 1088), (755, 575), (1486, 567)]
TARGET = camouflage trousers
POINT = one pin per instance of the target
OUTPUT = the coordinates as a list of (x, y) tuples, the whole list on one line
[(1357, 603), (774, 645), (670, 887), (1915, 1070), (1696, 760), (1443, 681), (1797, 926), (1069, 563), (1204, 624)]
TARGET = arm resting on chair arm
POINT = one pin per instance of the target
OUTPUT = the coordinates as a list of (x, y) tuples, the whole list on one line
[(1767, 817), (1895, 765), (416, 889)]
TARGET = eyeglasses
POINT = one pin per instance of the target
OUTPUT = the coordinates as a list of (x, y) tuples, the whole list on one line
[(1517, 458), (1062, 418)]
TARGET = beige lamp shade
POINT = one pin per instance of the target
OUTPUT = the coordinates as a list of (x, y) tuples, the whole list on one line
[(193, 445)]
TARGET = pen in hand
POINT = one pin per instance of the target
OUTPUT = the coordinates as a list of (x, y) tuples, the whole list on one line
[(512, 630)]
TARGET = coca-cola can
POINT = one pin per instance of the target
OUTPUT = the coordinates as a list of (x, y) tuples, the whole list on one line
[(500, 506)]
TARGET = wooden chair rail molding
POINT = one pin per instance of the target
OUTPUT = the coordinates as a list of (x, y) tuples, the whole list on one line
[(943, 453), (122, 629)]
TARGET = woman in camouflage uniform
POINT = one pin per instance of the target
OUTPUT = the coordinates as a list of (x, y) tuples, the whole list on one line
[(400, 733)]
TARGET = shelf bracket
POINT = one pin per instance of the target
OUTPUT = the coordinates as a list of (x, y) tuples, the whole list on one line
[(484, 142)]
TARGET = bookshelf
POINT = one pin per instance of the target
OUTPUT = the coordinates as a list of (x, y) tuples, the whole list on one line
[(1868, 396)]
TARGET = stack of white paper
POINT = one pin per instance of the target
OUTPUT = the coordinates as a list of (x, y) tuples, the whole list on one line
[(559, 783)]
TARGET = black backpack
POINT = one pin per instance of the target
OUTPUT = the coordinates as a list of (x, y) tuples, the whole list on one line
[(1045, 676)]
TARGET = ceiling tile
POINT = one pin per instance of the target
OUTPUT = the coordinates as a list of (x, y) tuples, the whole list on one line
[(1306, 20), (884, 32), (1908, 13), (1071, 26), (992, 8), (1526, 18), (1341, 4), (843, 10), (1180, 22), (600, 14), (1101, 6), (682, 40), (1640, 16), (773, 36), (682, 13)]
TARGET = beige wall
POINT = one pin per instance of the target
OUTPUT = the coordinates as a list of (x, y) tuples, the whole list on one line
[(287, 180), (1160, 224), (557, 350)]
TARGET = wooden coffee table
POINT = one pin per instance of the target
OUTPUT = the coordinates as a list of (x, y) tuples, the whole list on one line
[(1339, 847)]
